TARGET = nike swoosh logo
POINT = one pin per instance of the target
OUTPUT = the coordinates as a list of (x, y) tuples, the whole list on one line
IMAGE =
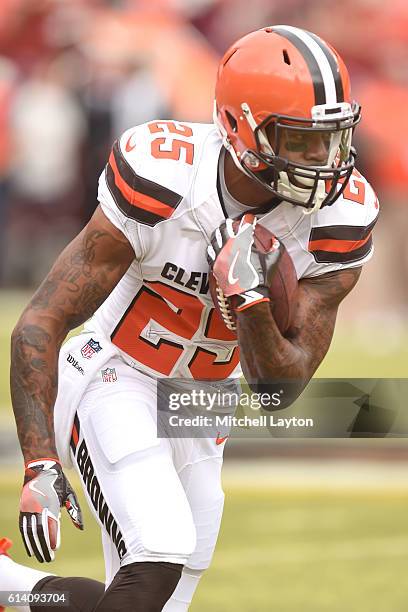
[(219, 440), (31, 485), (231, 278), (128, 146)]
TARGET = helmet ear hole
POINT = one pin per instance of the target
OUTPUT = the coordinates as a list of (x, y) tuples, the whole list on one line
[(232, 121)]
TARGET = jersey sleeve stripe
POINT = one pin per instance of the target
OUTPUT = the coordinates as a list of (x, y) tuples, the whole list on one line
[(337, 246), (129, 210), (344, 257), (341, 243), (136, 198), (143, 185), (342, 232)]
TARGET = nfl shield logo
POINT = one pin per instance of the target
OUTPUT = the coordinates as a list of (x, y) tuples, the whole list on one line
[(90, 349), (109, 375)]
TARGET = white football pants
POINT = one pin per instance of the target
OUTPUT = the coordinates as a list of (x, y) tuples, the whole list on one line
[(154, 499)]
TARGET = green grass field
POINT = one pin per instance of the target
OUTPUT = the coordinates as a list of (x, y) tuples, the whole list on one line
[(279, 550)]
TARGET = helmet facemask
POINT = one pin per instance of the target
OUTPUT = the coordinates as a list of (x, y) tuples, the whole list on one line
[(311, 186)]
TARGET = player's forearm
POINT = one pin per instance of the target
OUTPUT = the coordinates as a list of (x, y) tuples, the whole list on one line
[(267, 357), (35, 345)]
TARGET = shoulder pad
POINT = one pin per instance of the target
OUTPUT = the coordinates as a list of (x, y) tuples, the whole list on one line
[(342, 233), (151, 168)]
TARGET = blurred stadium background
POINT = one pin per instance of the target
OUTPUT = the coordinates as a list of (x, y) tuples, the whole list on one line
[(319, 524)]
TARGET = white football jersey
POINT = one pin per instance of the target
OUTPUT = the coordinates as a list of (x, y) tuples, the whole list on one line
[(160, 189)]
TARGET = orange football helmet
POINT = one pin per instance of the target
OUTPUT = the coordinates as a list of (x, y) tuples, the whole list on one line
[(282, 80)]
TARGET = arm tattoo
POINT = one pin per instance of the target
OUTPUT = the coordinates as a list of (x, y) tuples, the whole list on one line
[(33, 387), (79, 282), (268, 356), (75, 282)]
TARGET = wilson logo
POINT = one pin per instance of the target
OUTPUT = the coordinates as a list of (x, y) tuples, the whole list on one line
[(75, 364)]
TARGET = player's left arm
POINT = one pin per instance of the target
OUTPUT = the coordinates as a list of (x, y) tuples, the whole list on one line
[(268, 357)]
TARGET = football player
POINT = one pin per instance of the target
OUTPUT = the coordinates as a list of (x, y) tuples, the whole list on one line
[(280, 154)]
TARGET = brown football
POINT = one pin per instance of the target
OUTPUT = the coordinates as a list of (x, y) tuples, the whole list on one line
[(282, 291)]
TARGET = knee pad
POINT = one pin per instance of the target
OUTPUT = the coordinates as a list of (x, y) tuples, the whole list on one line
[(141, 586)]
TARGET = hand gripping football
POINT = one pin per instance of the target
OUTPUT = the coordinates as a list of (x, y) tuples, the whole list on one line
[(282, 289)]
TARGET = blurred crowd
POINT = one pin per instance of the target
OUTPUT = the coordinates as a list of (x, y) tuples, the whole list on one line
[(75, 73)]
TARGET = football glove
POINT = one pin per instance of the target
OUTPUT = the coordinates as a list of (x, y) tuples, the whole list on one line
[(240, 268), (46, 489)]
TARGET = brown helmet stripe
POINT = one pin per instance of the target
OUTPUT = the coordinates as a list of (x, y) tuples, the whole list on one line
[(311, 61)]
